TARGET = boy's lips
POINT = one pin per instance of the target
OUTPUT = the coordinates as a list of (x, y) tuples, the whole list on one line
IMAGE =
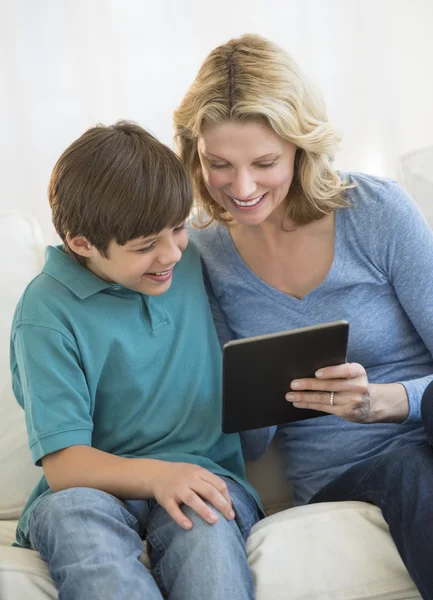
[(160, 276)]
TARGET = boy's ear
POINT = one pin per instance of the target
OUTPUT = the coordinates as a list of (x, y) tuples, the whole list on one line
[(80, 245)]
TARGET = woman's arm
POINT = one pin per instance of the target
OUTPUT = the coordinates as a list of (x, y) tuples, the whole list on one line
[(401, 248)]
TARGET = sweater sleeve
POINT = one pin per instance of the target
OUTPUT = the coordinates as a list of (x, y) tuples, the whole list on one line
[(403, 248)]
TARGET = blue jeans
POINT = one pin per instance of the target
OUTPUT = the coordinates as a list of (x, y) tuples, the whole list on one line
[(92, 543), (400, 483)]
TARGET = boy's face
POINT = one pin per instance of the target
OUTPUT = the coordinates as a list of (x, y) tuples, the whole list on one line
[(144, 265)]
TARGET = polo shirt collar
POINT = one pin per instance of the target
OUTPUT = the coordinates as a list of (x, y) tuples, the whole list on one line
[(82, 282)]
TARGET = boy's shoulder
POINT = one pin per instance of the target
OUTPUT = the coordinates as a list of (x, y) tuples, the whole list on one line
[(41, 301), (55, 293)]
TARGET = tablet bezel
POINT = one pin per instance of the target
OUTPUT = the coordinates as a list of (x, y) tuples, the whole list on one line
[(255, 397)]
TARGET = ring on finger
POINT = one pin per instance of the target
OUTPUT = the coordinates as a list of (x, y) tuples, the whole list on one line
[(331, 398)]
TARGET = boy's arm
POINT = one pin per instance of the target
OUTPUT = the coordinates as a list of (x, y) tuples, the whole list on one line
[(171, 484), (51, 386)]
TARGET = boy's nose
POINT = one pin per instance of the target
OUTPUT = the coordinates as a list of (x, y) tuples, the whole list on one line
[(170, 254)]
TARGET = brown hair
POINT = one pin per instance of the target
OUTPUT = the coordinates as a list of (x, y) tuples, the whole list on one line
[(117, 183), (252, 79)]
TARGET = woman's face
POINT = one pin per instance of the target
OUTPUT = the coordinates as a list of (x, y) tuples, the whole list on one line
[(247, 168)]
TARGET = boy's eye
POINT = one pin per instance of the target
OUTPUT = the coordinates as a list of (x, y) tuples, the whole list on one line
[(146, 249), (179, 227)]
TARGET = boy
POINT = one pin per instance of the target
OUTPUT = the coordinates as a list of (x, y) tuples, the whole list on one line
[(116, 363)]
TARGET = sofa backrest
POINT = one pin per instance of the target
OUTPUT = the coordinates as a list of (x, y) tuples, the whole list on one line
[(21, 258)]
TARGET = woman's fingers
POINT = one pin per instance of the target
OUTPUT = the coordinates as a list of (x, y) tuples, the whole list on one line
[(349, 377), (349, 406), (343, 371)]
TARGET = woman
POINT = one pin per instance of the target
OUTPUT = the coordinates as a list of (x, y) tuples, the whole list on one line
[(294, 243)]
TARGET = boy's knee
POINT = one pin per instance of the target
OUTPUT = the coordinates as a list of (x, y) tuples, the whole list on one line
[(72, 501), (207, 535)]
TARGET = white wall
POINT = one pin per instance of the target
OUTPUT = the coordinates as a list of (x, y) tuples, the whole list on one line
[(68, 64)]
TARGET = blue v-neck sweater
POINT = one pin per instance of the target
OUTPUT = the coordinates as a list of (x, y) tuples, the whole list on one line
[(381, 281)]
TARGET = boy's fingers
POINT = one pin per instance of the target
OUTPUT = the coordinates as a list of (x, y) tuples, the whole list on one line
[(212, 495), (217, 483), (177, 515), (191, 499)]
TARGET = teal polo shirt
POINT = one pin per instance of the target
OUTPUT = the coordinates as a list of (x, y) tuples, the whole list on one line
[(98, 364)]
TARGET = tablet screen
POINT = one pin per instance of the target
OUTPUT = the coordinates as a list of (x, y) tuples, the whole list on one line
[(257, 373)]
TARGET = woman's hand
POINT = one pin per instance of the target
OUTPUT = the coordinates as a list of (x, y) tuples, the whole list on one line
[(344, 390)]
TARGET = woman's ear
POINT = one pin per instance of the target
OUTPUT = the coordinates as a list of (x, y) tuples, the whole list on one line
[(80, 245)]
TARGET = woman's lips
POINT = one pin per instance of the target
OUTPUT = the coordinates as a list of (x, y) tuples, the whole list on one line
[(248, 204)]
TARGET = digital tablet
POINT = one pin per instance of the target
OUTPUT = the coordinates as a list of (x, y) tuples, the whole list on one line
[(257, 372)]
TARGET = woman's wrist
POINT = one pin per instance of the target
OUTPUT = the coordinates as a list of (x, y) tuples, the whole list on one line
[(389, 403)]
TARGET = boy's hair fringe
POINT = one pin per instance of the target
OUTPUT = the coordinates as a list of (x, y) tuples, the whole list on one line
[(118, 183)]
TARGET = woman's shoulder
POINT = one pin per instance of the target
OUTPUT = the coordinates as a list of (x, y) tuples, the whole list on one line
[(370, 193), (379, 207), (207, 237), (369, 187)]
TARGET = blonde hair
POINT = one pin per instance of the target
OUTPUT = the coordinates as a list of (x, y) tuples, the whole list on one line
[(253, 79)]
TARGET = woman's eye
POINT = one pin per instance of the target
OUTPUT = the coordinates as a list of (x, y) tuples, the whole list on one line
[(218, 166), (267, 165)]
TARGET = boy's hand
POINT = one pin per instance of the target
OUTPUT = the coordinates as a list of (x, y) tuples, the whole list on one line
[(183, 483)]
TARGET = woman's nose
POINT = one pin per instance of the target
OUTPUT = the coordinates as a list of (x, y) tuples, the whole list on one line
[(243, 185)]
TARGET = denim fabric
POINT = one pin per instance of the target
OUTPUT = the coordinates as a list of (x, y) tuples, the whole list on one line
[(92, 543), (400, 483)]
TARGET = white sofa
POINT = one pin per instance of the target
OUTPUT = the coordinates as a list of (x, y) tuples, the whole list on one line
[(338, 551)]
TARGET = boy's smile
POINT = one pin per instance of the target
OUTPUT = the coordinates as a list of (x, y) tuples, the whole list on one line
[(144, 265), (160, 277)]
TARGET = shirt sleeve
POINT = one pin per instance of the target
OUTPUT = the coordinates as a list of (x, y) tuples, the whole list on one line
[(50, 384), (403, 250)]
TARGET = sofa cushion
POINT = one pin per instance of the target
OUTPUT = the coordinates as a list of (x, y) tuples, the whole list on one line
[(23, 573), (335, 550), (21, 258), (18, 475), (332, 551)]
